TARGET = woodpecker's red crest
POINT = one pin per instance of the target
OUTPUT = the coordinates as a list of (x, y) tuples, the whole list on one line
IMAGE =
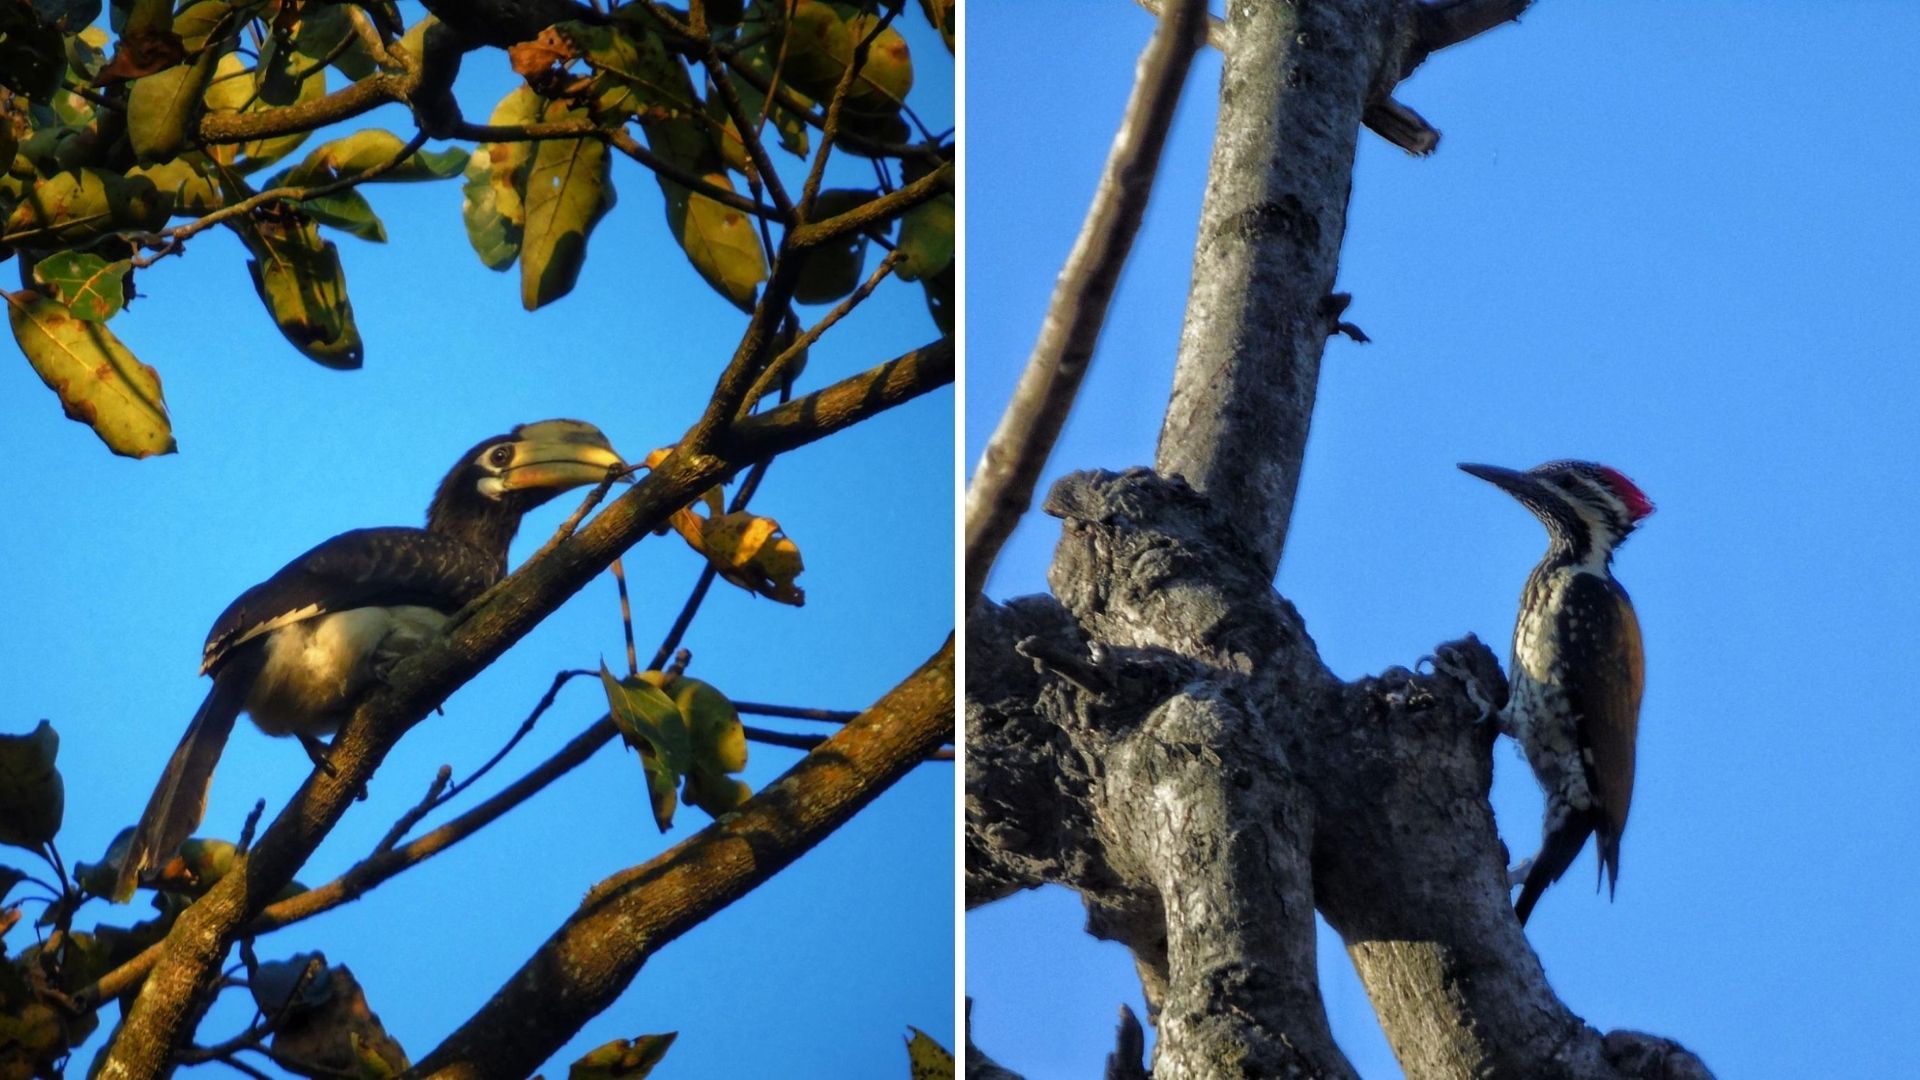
[(1577, 669)]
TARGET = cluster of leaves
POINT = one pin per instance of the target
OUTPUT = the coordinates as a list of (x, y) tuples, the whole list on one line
[(689, 737), (197, 101)]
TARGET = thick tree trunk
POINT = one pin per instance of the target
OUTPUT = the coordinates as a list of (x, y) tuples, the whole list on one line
[(1160, 734)]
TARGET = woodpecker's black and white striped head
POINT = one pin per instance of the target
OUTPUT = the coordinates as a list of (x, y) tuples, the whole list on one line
[(1588, 509)]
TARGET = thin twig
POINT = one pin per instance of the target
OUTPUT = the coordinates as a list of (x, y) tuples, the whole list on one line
[(831, 128), (1003, 482), (170, 240), (685, 618), (782, 738), (795, 712), (441, 777), (252, 823), (526, 727), (626, 615), (779, 364)]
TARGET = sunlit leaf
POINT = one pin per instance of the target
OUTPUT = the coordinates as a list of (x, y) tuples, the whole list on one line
[(821, 39), (929, 1060), (622, 1059), (91, 287), (651, 724), (100, 382), (368, 149), (73, 208), (926, 238), (568, 190), (300, 280), (721, 242), (495, 237), (183, 182), (162, 108), (232, 91)]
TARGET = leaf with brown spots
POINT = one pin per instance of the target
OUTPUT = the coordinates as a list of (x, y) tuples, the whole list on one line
[(100, 382)]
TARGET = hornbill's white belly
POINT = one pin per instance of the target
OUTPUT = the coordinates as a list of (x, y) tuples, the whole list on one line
[(317, 668)]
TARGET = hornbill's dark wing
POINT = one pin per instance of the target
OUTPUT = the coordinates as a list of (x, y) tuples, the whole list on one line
[(384, 567)]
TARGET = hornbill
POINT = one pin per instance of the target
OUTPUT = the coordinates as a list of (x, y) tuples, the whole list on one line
[(298, 650)]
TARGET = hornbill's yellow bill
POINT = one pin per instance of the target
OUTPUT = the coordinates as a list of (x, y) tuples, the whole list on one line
[(297, 651)]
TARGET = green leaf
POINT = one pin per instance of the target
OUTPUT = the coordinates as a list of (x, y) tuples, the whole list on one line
[(184, 183), (163, 108), (635, 73), (347, 210), (364, 150), (650, 723), (232, 91), (832, 271), (300, 280), (568, 191), (721, 242), (494, 236), (76, 207), (622, 1059), (32, 798), (91, 287), (100, 382), (939, 289), (197, 21), (929, 1060), (926, 239), (496, 212), (821, 39)]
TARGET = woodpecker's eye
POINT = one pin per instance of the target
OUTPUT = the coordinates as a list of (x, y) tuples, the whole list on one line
[(500, 456)]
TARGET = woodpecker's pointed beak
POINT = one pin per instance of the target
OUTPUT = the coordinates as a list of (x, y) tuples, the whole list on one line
[(554, 455), (1521, 485)]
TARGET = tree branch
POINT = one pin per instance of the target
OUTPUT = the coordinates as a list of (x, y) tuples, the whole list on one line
[(189, 962), (1003, 482), (590, 959)]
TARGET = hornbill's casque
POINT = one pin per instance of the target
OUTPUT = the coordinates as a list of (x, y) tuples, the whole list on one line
[(297, 650)]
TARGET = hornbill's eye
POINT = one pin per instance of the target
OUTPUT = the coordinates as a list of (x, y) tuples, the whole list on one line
[(500, 456)]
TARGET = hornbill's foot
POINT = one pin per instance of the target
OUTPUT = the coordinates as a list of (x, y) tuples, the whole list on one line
[(318, 752)]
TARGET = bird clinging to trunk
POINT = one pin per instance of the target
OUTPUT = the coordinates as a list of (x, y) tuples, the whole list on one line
[(1577, 669)]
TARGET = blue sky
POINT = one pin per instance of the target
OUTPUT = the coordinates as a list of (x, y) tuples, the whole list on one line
[(119, 567), (1678, 239)]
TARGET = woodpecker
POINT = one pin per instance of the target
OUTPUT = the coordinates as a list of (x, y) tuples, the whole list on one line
[(1577, 669), (297, 651)]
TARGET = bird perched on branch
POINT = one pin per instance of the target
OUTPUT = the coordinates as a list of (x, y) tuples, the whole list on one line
[(297, 651), (1577, 669)]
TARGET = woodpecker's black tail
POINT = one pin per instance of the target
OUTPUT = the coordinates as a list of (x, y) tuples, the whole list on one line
[(180, 798), (1557, 852)]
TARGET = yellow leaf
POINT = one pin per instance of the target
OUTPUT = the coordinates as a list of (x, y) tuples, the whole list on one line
[(929, 1059), (100, 382)]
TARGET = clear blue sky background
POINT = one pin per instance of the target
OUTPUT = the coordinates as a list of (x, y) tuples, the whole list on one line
[(1676, 238), (118, 567)]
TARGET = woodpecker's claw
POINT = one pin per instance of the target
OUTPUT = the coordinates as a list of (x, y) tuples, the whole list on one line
[(1517, 876), (1442, 665)]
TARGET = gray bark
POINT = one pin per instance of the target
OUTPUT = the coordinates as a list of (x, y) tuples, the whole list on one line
[(1160, 734)]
